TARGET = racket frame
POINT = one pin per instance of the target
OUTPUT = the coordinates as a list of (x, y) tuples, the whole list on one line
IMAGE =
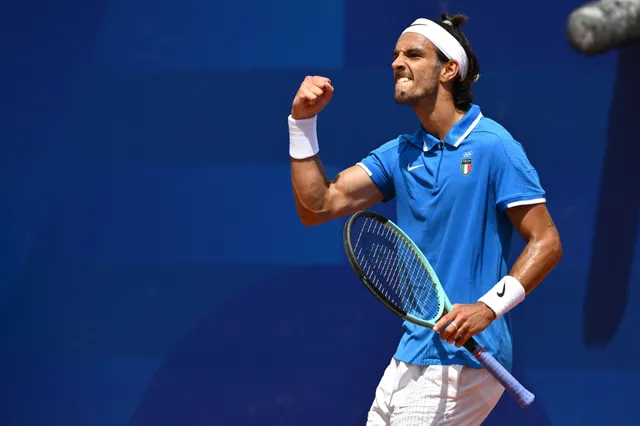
[(443, 302)]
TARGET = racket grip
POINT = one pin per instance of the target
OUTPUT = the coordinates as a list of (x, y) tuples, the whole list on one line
[(510, 383)]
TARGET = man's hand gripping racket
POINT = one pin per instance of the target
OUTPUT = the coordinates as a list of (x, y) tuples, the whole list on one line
[(394, 269)]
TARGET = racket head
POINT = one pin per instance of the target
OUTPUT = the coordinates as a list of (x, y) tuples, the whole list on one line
[(394, 269)]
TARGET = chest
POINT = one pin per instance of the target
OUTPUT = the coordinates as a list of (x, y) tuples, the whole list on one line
[(444, 176)]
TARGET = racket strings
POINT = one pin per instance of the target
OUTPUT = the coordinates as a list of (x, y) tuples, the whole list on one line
[(416, 274), (394, 269)]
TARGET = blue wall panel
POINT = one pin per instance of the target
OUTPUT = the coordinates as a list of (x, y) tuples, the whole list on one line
[(222, 34)]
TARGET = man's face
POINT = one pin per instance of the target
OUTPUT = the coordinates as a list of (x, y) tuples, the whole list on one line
[(416, 69)]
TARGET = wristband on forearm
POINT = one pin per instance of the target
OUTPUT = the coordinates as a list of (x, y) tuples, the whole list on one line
[(303, 138), (504, 296)]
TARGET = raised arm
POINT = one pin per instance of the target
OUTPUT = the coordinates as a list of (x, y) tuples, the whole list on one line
[(319, 199)]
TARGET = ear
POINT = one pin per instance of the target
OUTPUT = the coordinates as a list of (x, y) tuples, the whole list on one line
[(449, 71)]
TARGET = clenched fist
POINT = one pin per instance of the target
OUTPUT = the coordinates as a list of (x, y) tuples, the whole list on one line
[(314, 94)]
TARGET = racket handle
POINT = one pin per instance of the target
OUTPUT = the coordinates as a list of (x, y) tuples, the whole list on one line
[(510, 383)]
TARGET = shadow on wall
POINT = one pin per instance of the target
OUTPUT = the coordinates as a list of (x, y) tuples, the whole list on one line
[(618, 210)]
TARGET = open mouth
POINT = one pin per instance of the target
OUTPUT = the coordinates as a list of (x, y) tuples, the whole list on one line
[(403, 80)]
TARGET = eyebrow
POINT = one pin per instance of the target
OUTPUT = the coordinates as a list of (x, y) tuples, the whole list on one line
[(412, 51)]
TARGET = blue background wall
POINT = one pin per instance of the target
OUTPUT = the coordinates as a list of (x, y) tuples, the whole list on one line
[(152, 267)]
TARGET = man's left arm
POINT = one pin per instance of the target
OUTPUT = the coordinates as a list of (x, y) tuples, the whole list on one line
[(540, 255), (543, 250)]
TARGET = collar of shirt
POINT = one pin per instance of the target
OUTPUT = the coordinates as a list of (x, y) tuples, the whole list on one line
[(456, 135)]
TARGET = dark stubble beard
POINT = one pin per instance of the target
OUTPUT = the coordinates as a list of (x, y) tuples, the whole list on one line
[(429, 94)]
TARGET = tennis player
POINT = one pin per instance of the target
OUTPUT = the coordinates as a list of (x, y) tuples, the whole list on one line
[(462, 185)]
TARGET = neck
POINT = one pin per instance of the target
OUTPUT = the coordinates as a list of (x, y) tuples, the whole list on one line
[(439, 116)]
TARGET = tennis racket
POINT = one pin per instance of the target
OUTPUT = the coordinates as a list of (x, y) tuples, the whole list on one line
[(394, 269)]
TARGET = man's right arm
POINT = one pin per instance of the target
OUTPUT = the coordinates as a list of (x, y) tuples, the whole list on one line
[(319, 199)]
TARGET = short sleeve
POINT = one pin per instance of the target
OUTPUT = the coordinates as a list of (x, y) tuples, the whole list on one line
[(515, 181), (379, 165)]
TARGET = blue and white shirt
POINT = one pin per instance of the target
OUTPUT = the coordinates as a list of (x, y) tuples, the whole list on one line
[(451, 200)]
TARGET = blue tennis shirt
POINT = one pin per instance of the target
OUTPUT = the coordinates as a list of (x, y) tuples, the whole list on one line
[(451, 198)]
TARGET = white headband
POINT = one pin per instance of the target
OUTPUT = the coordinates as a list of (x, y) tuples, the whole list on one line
[(443, 40)]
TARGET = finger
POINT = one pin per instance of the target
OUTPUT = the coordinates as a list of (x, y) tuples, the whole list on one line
[(315, 81), (319, 80), (461, 331), (328, 92), (463, 338), (449, 333), (328, 87), (307, 95), (446, 319), (452, 328), (306, 90), (317, 90)]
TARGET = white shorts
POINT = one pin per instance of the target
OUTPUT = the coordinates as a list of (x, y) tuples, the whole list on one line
[(435, 395)]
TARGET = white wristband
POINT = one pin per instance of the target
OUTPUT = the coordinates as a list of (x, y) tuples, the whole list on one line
[(303, 138), (504, 296)]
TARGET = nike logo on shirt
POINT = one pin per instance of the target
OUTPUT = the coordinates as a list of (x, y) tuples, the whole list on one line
[(409, 168)]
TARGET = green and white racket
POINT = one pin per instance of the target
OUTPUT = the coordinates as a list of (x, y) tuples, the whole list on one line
[(397, 273)]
